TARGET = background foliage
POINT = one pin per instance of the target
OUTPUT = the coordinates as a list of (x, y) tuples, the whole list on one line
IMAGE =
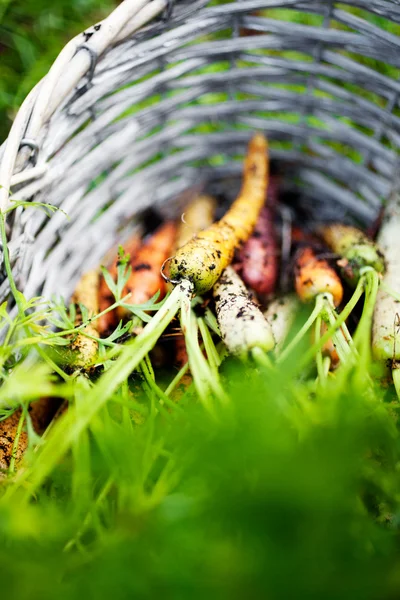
[(32, 33)]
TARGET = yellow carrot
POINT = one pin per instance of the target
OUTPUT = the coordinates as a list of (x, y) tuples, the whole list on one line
[(86, 293), (202, 260), (198, 215)]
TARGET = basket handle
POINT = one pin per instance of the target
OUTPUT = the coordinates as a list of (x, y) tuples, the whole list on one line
[(68, 69)]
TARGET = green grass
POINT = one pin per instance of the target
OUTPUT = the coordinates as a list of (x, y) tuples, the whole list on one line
[(300, 502)]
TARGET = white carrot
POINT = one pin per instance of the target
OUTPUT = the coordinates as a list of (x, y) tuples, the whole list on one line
[(242, 324), (385, 331), (281, 313)]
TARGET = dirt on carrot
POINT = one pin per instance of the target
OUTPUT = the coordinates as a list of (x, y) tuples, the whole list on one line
[(202, 259), (259, 257), (41, 414)]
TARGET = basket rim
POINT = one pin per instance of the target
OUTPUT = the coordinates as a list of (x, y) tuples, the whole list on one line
[(76, 60)]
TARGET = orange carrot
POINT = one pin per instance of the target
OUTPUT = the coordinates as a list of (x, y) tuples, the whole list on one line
[(108, 322), (314, 276), (41, 413), (146, 279)]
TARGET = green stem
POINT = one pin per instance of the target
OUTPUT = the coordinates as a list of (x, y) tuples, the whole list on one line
[(212, 354), (212, 322), (389, 290), (330, 317), (261, 357), (196, 358), (100, 498), (396, 379), (347, 335), (300, 334), (68, 428), (177, 379), (326, 366), (148, 374), (204, 378), (319, 357), (340, 320), (362, 337), (16, 294), (53, 365), (149, 367)]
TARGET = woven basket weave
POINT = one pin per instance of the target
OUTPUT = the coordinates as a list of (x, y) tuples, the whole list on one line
[(161, 98)]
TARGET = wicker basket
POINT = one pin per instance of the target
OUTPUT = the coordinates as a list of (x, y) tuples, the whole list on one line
[(161, 98)]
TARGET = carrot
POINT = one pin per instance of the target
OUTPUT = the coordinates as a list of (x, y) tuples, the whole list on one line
[(316, 280), (198, 215), (203, 259), (258, 258), (363, 264), (355, 248), (41, 412), (108, 322), (281, 314), (86, 294), (314, 276), (242, 324), (146, 279), (300, 236), (386, 321), (198, 265)]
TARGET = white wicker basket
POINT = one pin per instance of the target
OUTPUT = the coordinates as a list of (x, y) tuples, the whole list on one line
[(117, 124)]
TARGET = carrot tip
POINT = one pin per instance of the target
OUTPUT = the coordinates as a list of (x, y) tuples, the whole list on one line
[(258, 142)]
